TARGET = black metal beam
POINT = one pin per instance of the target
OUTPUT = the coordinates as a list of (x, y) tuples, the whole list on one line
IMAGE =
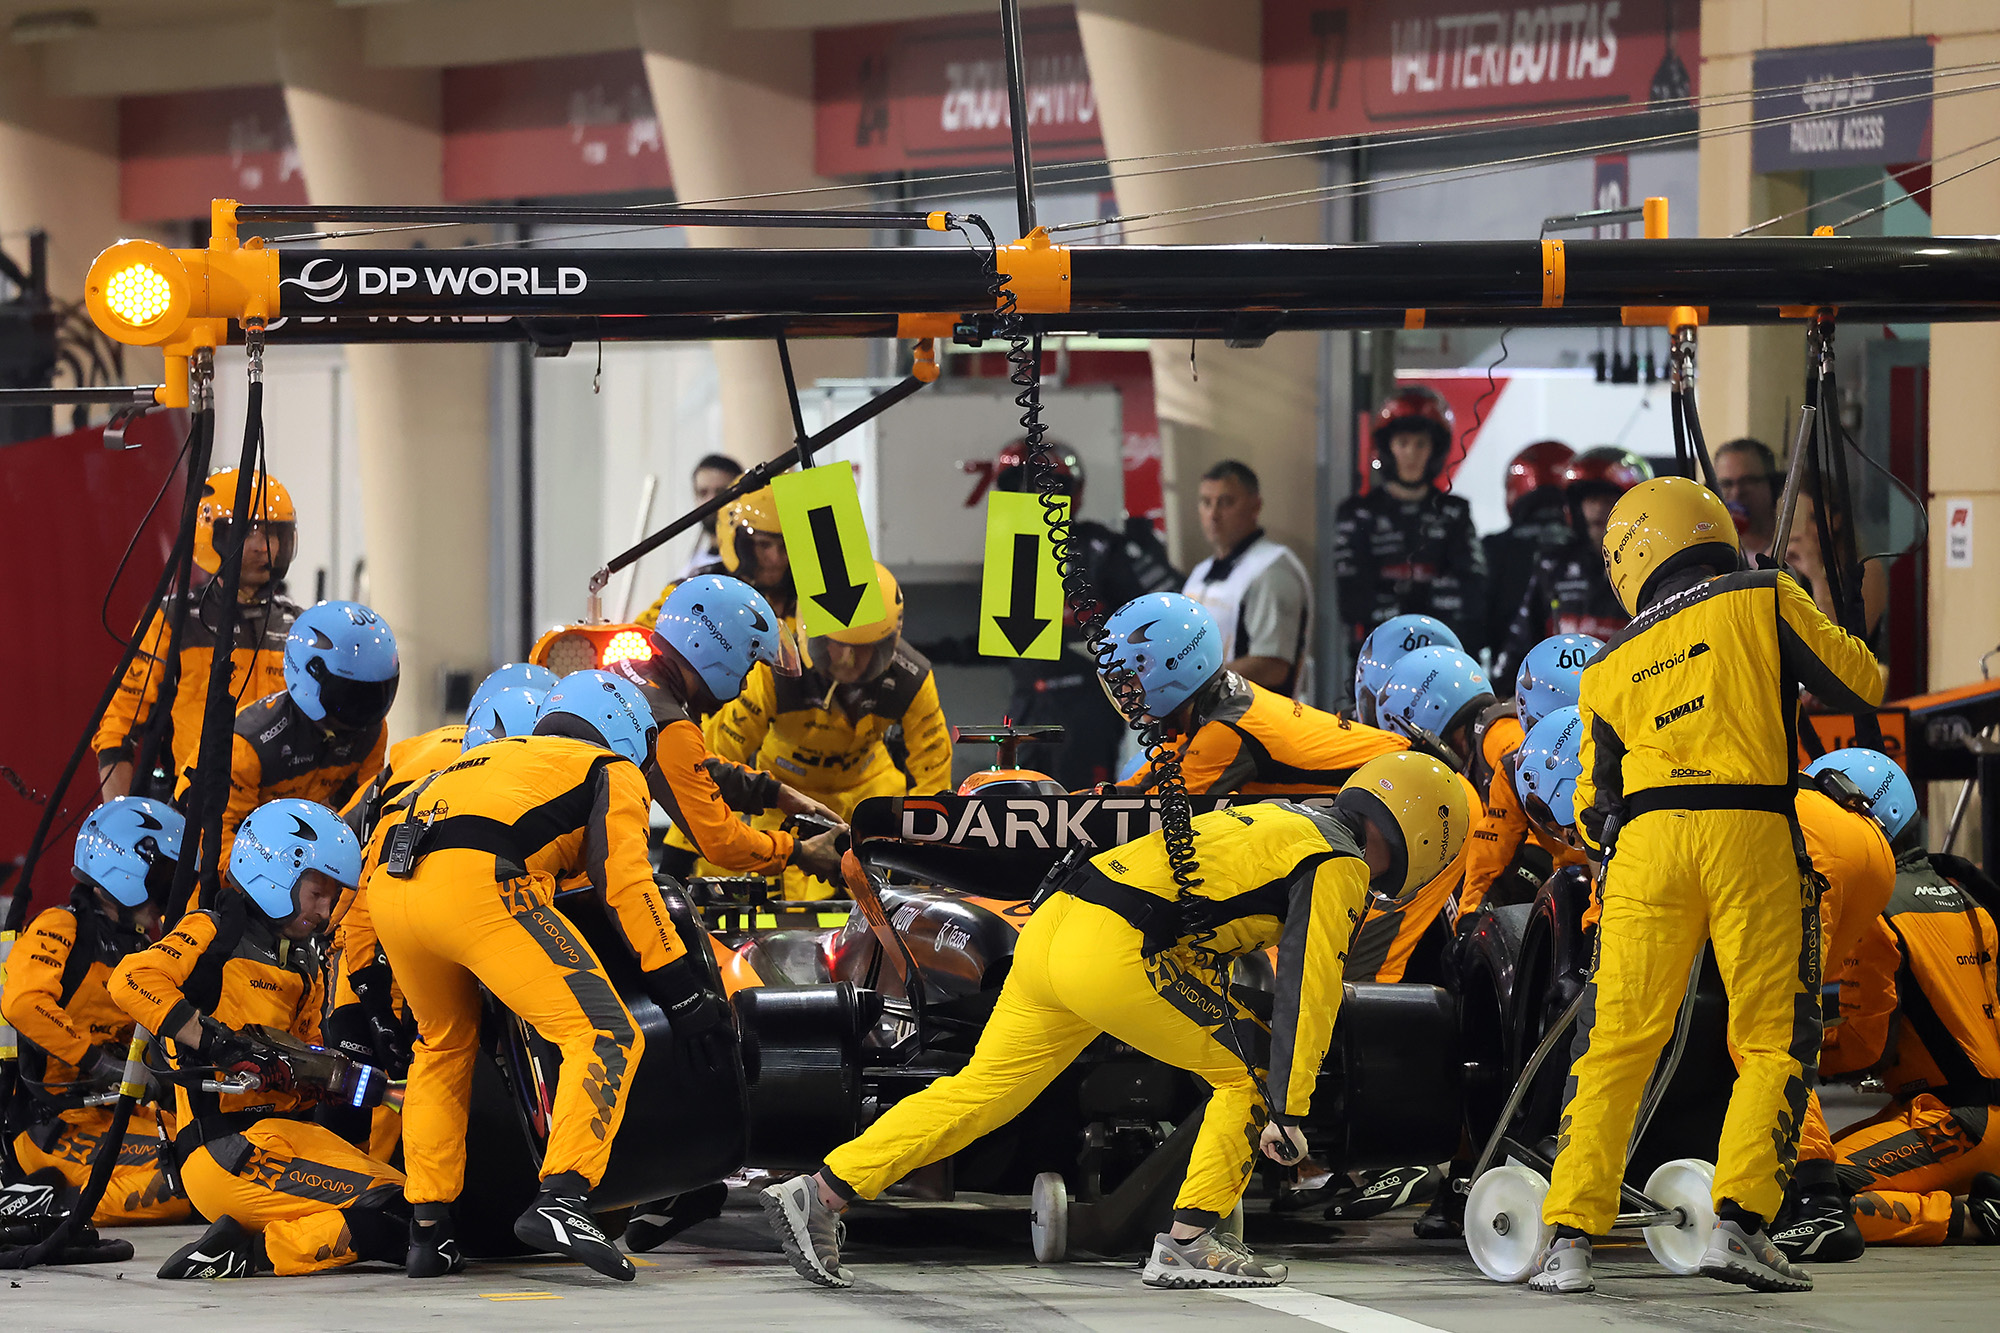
[(664, 216)]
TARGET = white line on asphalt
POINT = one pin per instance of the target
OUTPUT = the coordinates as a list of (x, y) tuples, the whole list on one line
[(1330, 1312)]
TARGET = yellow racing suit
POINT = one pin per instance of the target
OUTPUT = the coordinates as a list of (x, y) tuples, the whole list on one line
[(256, 668), (1688, 783), (57, 1000), (504, 825), (830, 742), (1274, 874), (1920, 1009), (257, 1156)]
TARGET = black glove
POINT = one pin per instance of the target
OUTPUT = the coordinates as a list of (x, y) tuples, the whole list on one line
[(235, 1055), (102, 1066), (367, 1039), (699, 1017)]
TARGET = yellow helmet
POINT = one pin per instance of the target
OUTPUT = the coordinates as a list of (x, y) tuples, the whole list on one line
[(754, 512), (1661, 525), (1419, 805), (882, 635), (271, 506)]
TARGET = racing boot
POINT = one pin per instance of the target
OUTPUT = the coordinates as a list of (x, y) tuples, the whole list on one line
[(1565, 1269), (1212, 1259), (1445, 1218), (811, 1232), (433, 1248), (1982, 1205), (1394, 1188), (559, 1222), (226, 1249), (1749, 1259), (1818, 1227), (657, 1223)]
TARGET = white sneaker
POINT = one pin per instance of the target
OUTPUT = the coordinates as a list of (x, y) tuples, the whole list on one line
[(810, 1231), (1212, 1259), (1565, 1269), (1750, 1260)]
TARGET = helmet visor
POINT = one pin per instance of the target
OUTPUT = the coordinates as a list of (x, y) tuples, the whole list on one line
[(851, 663), (352, 705), (281, 541), (784, 657), (1122, 682)]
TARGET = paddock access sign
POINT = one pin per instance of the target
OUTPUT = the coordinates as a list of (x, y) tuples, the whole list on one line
[(1857, 105)]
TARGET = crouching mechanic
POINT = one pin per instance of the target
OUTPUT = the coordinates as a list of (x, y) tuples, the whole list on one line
[(1112, 951), (1688, 780), (1917, 1005), (322, 738), (825, 731), (463, 896), (73, 1037), (286, 1195)]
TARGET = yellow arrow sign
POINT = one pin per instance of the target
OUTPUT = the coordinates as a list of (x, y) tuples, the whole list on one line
[(1020, 594), (832, 566)]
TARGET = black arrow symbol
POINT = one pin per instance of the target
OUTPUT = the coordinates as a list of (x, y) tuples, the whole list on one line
[(1021, 625), (839, 599)]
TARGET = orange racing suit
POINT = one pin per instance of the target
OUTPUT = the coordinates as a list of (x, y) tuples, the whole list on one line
[(1497, 835), (1258, 742)]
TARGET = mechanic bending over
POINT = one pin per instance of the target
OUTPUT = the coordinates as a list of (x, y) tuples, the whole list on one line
[(156, 693), (73, 1036), (463, 896), (1111, 950), (322, 738), (286, 1195), (1689, 769), (1233, 734), (710, 632), (826, 731), (1917, 1009), (751, 545)]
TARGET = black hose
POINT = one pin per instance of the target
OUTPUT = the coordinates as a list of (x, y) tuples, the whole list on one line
[(145, 757)]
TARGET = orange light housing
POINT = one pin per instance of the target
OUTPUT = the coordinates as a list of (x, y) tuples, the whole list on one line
[(570, 648)]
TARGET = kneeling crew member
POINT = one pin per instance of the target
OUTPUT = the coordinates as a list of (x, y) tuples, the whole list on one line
[(1112, 951), (1688, 783), (1234, 735), (323, 738), (74, 1037), (1387, 644), (710, 633), (287, 1195), (464, 896), (825, 731)]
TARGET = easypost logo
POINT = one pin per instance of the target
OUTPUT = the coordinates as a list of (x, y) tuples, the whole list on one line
[(325, 280)]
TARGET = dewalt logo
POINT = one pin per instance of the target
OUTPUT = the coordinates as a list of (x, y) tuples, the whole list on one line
[(1679, 711)]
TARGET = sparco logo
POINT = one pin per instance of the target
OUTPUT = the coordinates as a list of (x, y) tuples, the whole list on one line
[(1679, 711), (330, 284)]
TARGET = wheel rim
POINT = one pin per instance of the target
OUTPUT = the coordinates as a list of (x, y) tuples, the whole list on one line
[(1503, 1222), (1048, 1218), (1690, 1186)]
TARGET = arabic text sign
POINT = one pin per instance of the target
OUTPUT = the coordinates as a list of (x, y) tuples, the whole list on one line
[(1862, 104)]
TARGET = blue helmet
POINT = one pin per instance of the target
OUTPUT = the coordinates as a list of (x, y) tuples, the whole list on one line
[(128, 848), (722, 627), (601, 708), (1170, 643), (1547, 766), (1550, 675), (505, 712), (1384, 647), (1872, 783), (341, 666), (514, 676), (1429, 691), (279, 841)]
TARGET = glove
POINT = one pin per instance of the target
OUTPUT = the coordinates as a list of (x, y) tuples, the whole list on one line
[(367, 1039), (699, 1017), (235, 1055), (102, 1067)]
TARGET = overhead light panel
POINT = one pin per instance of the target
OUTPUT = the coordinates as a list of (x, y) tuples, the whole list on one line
[(51, 25)]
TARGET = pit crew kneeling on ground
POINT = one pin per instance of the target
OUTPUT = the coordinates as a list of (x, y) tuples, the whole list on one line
[(286, 1194), (1688, 781), (1112, 950), (73, 1036), (464, 897)]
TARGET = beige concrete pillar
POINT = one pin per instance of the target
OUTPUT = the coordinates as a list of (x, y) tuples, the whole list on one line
[(736, 115), (59, 173), (1257, 405), (372, 136)]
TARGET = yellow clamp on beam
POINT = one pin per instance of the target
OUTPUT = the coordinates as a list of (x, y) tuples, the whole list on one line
[(1654, 213), (1663, 316), (1037, 273), (1413, 319), (1808, 311), (924, 361), (926, 326), (1555, 274)]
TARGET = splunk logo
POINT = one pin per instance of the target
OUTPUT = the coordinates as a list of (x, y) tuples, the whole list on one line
[(325, 280)]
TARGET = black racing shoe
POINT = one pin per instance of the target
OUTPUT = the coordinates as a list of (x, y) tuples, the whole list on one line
[(433, 1248), (1394, 1188), (1982, 1205), (227, 1249), (1445, 1218), (559, 1222), (657, 1223), (1819, 1229)]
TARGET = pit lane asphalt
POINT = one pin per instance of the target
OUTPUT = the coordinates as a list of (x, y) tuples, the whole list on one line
[(969, 1269)]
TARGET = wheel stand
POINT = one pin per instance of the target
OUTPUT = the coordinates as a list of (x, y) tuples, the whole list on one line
[(1122, 1220)]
